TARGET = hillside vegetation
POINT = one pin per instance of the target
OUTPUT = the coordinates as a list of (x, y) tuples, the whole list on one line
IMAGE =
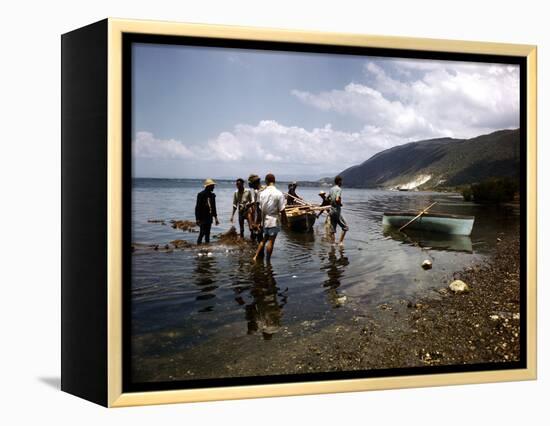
[(444, 162)]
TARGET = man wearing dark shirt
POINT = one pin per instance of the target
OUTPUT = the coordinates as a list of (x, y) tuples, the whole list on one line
[(254, 213), (205, 210), (242, 201), (292, 198)]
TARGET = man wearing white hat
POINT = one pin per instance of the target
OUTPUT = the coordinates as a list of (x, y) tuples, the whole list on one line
[(205, 210)]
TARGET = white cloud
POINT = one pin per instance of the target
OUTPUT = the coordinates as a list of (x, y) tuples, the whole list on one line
[(270, 142), (147, 146), (433, 99), (370, 106)]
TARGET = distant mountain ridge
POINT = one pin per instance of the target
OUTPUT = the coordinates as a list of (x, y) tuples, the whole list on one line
[(442, 162)]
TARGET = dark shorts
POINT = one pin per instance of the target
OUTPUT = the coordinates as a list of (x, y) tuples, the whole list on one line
[(336, 218), (272, 232)]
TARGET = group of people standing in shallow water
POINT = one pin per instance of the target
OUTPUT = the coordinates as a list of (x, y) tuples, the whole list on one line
[(263, 207)]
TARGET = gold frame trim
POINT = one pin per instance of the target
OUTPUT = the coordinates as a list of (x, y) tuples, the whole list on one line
[(116, 27)]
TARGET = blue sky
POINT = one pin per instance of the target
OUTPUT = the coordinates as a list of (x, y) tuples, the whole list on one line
[(218, 112)]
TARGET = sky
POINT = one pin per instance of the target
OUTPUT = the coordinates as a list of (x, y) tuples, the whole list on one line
[(224, 113)]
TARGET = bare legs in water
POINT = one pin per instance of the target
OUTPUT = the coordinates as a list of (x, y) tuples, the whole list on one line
[(268, 242)]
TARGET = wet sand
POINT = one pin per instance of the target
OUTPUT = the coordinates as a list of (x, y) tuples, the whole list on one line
[(439, 328)]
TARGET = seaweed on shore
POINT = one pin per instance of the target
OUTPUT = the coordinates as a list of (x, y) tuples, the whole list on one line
[(229, 238), (161, 221), (184, 225)]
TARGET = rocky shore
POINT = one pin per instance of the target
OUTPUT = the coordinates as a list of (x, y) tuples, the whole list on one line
[(481, 325)]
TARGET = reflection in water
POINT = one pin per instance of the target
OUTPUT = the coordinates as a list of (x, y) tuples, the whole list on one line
[(265, 311), (305, 240), (206, 271), (431, 240), (240, 281), (335, 267), (298, 247)]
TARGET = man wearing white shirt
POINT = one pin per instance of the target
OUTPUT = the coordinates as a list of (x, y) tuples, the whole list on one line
[(272, 205)]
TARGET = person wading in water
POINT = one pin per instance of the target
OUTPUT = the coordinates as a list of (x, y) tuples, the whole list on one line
[(272, 205), (336, 218), (242, 200), (205, 210), (254, 213)]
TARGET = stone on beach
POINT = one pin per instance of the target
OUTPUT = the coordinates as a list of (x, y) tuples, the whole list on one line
[(341, 300), (427, 264), (458, 286)]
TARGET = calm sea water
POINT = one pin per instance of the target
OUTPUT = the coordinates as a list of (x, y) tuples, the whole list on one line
[(192, 296)]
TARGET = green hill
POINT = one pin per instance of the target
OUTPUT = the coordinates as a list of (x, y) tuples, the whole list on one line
[(442, 162)]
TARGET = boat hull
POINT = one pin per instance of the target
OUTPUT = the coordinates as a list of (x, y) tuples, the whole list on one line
[(301, 222), (448, 224)]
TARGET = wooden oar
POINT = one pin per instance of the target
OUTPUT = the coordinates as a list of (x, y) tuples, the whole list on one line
[(307, 208), (417, 216), (298, 200)]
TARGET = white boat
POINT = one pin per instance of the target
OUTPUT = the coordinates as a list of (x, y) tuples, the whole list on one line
[(433, 222)]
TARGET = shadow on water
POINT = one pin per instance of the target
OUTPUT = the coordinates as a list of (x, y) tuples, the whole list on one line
[(265, 312)]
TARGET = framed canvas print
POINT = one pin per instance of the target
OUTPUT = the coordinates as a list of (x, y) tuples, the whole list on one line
[(255, 212)]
